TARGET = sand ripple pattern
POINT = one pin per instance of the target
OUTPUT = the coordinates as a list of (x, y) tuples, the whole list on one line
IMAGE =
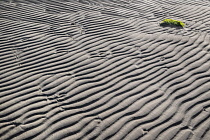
[(104, 70)]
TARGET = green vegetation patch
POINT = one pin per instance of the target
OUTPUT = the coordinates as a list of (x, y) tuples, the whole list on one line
[(172, 22)]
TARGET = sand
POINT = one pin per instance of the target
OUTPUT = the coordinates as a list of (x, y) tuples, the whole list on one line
[(104, 70)]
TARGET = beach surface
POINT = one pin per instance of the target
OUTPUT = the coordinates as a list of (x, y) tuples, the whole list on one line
[(104, 70)]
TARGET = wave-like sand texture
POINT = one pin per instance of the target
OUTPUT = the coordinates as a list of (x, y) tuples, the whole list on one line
[(104, 70)]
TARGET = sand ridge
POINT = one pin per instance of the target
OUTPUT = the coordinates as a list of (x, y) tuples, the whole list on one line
[(104, 69)]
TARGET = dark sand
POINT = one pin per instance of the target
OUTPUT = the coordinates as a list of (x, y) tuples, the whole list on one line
[(104, 70)]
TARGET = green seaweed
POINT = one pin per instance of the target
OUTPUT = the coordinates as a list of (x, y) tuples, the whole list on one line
[(172, 22)]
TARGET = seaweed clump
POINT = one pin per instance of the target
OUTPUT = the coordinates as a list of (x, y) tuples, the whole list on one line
[(171, 22)]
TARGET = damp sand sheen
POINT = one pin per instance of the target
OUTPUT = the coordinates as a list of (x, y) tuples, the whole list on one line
[(104, 70)]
